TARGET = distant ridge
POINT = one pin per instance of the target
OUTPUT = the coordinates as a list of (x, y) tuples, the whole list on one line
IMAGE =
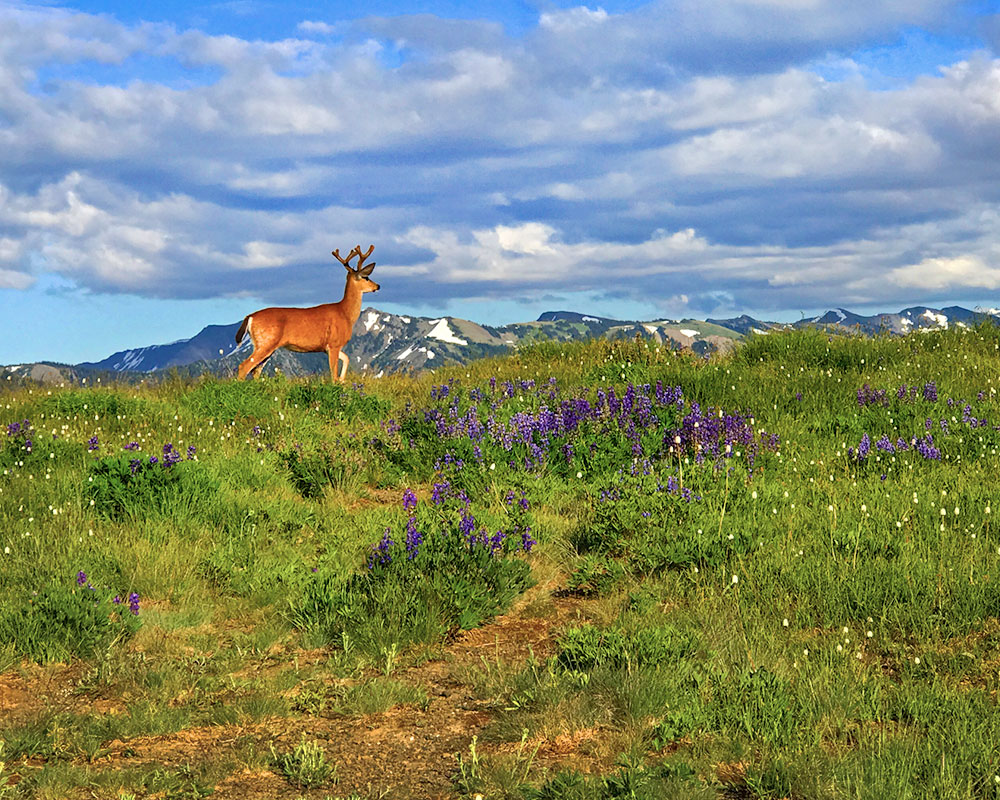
[(383, 342)]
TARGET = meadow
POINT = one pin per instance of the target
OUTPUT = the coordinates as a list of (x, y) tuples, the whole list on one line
[(583, 571)]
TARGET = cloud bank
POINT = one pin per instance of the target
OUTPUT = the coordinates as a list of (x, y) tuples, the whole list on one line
[(704, 161)]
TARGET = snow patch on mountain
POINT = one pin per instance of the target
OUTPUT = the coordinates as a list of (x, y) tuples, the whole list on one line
[(689, 332), (938, 319), (442, 332)]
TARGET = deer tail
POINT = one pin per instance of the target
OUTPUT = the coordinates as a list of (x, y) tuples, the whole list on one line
[(243, 329)]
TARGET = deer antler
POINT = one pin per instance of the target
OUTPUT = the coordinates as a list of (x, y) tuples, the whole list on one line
[(363, 256), (355, 251)]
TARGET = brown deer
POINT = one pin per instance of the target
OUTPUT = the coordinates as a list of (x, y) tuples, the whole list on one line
[(326, 328)]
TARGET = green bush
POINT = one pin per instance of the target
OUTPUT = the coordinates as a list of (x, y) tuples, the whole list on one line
[(64, 618), (443, 572), (131, 485)]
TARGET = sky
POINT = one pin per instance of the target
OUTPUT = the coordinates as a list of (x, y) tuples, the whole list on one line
[(173, 165)]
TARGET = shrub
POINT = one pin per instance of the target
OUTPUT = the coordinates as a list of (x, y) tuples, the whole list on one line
[(441, 573), (134, 485), (65, 618)]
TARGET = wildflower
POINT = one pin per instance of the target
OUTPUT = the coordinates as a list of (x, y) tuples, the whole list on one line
[(414, 538), (92, 444), (81, 578), (409, 499), (380, 552), (133, 603)]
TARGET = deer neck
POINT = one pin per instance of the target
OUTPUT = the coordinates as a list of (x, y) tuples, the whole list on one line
[(351, 304)]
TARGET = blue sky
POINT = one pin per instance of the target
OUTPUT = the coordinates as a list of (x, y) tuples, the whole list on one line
[(168, 166)]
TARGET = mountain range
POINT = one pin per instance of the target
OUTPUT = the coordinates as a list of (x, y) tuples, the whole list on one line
[(383, 342)]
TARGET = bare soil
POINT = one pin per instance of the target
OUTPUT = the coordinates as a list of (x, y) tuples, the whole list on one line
[(406, 752)]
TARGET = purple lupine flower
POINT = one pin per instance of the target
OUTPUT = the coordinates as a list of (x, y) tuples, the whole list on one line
[(414, 538), (440, 492), (409, 500), (191, 451), (134, 465), (131, 446), (927, 449), (930, 392), (154, 460), (864, 447), (467, 526), (92, 444), (81, 578), (170, 456), (527, 542), (133, 603), (380, 552)]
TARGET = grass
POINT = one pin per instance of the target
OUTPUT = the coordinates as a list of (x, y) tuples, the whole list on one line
[(812, 613)]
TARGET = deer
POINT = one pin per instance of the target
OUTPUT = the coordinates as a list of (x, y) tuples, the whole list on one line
[(325, 328)]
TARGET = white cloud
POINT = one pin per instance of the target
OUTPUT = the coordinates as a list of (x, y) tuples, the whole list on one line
[(934, 274), (664, 147), (572, 19), (314, 26)]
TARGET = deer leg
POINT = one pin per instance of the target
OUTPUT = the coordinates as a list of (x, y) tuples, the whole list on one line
[(257, 371), (334, 354), (253, 365), (343, 357)]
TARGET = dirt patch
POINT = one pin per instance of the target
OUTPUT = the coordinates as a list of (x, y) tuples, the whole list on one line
[(407, 752), (32, 688)]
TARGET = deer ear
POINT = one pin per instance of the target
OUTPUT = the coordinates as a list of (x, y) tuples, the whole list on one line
[(366, 271)]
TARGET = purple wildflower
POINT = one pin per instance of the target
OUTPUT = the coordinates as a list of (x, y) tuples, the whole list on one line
[(409, 500)]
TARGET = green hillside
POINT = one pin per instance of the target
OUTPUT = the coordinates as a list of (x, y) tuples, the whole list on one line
[(583, 570)]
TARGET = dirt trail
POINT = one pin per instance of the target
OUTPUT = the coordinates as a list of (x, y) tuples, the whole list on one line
[(407, 752)]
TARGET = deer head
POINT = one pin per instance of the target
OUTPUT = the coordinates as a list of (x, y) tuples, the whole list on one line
[(361, 271)]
